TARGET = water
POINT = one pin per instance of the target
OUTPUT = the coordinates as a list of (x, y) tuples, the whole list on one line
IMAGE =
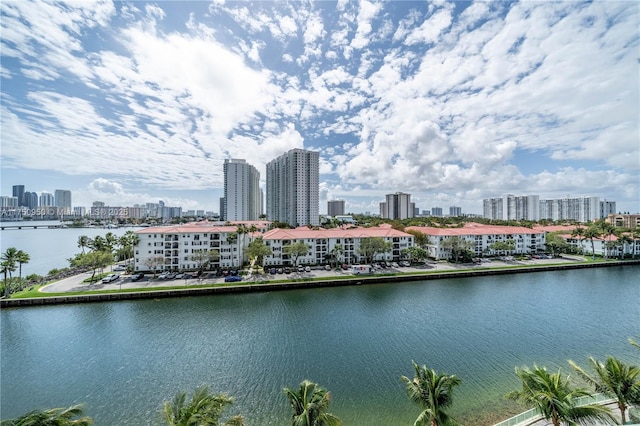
[(48, 248), (123, 359)]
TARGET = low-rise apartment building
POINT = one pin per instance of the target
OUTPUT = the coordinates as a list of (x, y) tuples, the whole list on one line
[(322, 242), (177, 248), (481, 239)]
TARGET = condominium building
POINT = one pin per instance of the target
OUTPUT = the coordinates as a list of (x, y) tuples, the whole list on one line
[(30, 200), (512, 207), (580, 209), (436, 211), (345, 243), (455, 211), (293, 188), (177, 248), (18, 192), (397, 206), (62, 199), (242, 194), (481, 239), (335, 208), (624, 220), (46, 200)]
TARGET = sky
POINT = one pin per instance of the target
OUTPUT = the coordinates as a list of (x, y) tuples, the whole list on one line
[(451, 102)]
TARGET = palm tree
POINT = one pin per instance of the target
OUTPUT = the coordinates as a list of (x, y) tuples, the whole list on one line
[(433, 392), (623, 241), (204, 409), (554, 398), (310, 404), (83, 241), (241, 230), (7, 268), (22, 257), (52, 417), (9, 259), (615, 379), (608, 230), (592, 232), (579, 232), (232, 238)]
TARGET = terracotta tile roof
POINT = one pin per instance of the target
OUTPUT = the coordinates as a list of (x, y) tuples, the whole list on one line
[(185, 229), (472, 228), (306, 233)]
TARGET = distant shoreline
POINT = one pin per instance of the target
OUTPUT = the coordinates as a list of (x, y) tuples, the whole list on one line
[(300, 284)]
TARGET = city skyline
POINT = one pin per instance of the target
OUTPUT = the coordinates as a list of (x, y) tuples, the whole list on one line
[(450, 102)]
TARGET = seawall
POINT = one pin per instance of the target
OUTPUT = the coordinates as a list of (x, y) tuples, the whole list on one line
[(257, 287)]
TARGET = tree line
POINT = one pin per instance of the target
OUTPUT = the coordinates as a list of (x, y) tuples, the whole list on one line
[(551, 393)]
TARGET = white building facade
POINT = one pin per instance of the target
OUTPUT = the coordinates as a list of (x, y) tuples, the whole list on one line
[(512, 207), (177, 248), (293, 187), (322, 242), (481, 239), (242, 194), (580, 209)]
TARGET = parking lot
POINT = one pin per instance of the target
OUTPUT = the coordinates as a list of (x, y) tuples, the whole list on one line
[(124, 281)]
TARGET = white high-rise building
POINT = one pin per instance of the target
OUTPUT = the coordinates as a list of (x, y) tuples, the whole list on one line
[(46, 200), (580, 209), (293, 188), (242, 194), (512, 207)]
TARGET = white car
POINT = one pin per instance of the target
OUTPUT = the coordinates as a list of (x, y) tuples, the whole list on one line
[(163, 276), (119, 268), (110, 278)]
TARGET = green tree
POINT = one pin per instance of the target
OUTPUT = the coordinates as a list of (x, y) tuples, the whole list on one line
[(615, 379), (372, 246), (83, 242), (579, 233), (434, 393), (295, 250), (127, 242), (204, 409), (204, 258), (623, 241), (241, 230), (592, 233), (555, 243), (22, 257), (555, 399), (415, 253), (336, 254), (608, 231), (310, 405), (93, 260), (7, 268), (257, 249), (9, 259), (458, 246), (419, 239), (52, 417)]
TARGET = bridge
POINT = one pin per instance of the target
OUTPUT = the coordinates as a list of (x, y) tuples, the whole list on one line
[(31, 226)]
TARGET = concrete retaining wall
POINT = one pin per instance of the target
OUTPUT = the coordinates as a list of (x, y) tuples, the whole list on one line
[(156, 294)]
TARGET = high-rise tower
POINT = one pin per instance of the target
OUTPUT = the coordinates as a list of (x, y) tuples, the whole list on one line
[(293, 187), (242, 195)]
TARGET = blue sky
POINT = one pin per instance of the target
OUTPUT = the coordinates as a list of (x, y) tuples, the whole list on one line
[(452, 102)]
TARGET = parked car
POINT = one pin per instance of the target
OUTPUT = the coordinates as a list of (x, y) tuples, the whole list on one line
[(345, 266), (272, 271), (232, 278), (181, 275), (395, 265), (287, 270), (327, 267), (307, 269), (405, 263), (300, 268), (110, 278), (163, 276), (280, 270), (172, 275), (137, 277), (119, 268)]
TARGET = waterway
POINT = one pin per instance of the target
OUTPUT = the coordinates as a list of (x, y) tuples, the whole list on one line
[(48, 248), (122, 359)]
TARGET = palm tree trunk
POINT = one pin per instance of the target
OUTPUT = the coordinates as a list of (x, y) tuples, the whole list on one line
[(622, 408)]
